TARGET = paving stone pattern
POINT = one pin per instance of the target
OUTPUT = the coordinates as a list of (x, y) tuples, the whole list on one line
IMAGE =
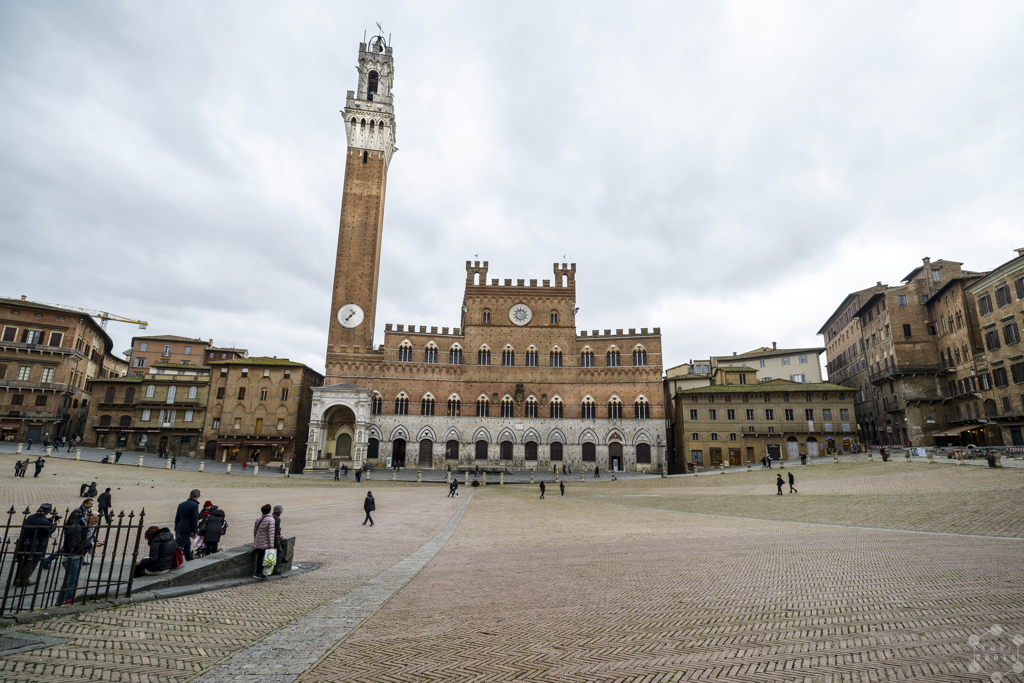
[(283, 655)]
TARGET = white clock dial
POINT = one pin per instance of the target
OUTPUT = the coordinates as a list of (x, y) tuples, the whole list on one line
[(520, 314), (350, 315)]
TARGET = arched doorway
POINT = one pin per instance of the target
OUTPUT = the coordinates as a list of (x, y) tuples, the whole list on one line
[(812, 447), (163, 445), (426, 453), (615, 462), (589, 452), (340, 434), (481, 450), (531, 450), (210, 450), (792, 448), (398, 453), (373, 449), (506, 450)]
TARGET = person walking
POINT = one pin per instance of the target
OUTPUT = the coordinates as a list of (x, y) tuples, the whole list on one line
[(213, 528), (359, 474), (24, 467), (186, 523), (542, 490), (174, 463), (17, 469), (779, 482), (263, 538), (71, 443), (39, 466), (768, 459), (29, 444), (792, 480), (369, 505), (597, 472), (561, 489), (451, 488), (161, 553), (103, 502), (337, 474), (278, 547), (35, 535), (455, 485), (344, 471)]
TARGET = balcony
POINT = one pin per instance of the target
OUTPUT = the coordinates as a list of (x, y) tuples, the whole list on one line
[(42, 386), (62, 350), (32, 415), (908, 370), (893, 407)]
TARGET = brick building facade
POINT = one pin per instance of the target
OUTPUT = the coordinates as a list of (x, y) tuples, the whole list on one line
[(169, 348), (48, 356), (258, 410), (513, 384)]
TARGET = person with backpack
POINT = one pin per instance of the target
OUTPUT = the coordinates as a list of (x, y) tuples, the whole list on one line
[(104, 503), (212, 528)]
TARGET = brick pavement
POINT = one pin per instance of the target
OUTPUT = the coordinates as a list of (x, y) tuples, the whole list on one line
[(616, 582)]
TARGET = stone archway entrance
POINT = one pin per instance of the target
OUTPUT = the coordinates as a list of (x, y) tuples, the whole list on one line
[(398, 453), (426, 453), (615, 461)]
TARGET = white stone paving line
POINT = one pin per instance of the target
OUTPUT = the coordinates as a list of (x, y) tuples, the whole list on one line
[(285, 654)]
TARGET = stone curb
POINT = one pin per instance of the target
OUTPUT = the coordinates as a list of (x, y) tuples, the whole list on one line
[(162, 594)]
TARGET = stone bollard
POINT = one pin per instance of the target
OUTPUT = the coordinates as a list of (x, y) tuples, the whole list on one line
[(782, 463), (49, 449), (393, 473), (531, 477), (907, 456), (959, 458), (556, 476), (167, 466), (287, 473), (835, 458), (368, 473), (999, 460), (256, 470), (140, 459), (419, 477), (202, 465), (467, 477), (871, 456), (931, 456), (721, 466), (485, 478), (581, 476), (501, 478), (748, 466), (78, 455), (448, 478), (17, 451), (229, 469)]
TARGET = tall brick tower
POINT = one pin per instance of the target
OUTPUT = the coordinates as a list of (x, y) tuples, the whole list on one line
[(370, 128)]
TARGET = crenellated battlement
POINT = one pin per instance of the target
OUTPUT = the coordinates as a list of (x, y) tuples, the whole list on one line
[(476, 276)]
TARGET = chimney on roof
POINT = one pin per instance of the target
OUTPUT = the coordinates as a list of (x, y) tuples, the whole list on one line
[(734, 353), (1020, 252), (210, 343), (774, 346), (23, 297), (878, 284), (926, 260)]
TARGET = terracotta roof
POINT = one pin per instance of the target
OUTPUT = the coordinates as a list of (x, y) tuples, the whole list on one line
[(180, 366), (765, 387), (257, 360), (171, 337), (766, 352)]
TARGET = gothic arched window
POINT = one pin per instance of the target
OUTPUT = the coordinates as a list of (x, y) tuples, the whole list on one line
[(427, 405), (531, 357), (126, 421), (639, 356), (482, 406), (506, 450), (508, 357), (587, 358), (555, 407), (507, 406), (556, 450), (643, 454), (405, 352), (589, 409), (483, 356), (371, 85), (454, 407), (376, 404), (402, 405), (615, 408), (430, 353), (555, 358), (642, 409), (531, 407), (589, 452), (612, 357), (481, 450), (455, 355)]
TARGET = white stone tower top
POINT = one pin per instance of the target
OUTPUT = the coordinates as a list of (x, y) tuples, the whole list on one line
[(369, 111)]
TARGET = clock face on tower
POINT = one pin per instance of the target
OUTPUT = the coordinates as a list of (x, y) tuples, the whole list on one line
[(350, 315), (520, 314)]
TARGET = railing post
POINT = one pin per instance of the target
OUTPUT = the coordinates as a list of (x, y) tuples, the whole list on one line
[(255, 470), (78, 454), (168, 465), (17, 451), (229, 469), (419, 476), (485, 477), (501, 478), (202, 465), (49, 449), (140, 461), (531, 476)]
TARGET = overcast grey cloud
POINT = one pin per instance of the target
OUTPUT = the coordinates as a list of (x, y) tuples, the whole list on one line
[(726, 171)]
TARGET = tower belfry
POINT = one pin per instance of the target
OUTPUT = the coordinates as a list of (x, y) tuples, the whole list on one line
[(370, 131)]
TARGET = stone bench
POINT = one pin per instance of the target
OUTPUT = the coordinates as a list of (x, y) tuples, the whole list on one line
[(234, 562)]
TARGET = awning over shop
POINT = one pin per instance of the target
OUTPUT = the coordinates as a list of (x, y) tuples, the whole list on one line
[(228, 444), (267, 442), (957, 430), (9, 425)]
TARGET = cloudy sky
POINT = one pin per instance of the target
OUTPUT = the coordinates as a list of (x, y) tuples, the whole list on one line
[(726, 171)]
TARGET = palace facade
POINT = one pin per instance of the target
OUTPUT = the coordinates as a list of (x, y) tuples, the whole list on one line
[(514, 384)]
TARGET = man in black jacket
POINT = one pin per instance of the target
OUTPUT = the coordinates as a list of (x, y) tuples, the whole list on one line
[(104, 503), (186, 523), (35, 534), (369, 505), (76, 547), (278, 509)]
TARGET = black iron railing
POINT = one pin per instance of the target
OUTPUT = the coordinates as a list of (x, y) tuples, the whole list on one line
[(53, 559)]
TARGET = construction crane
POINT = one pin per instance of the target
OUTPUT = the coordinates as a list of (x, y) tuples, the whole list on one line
[(102, 315)]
